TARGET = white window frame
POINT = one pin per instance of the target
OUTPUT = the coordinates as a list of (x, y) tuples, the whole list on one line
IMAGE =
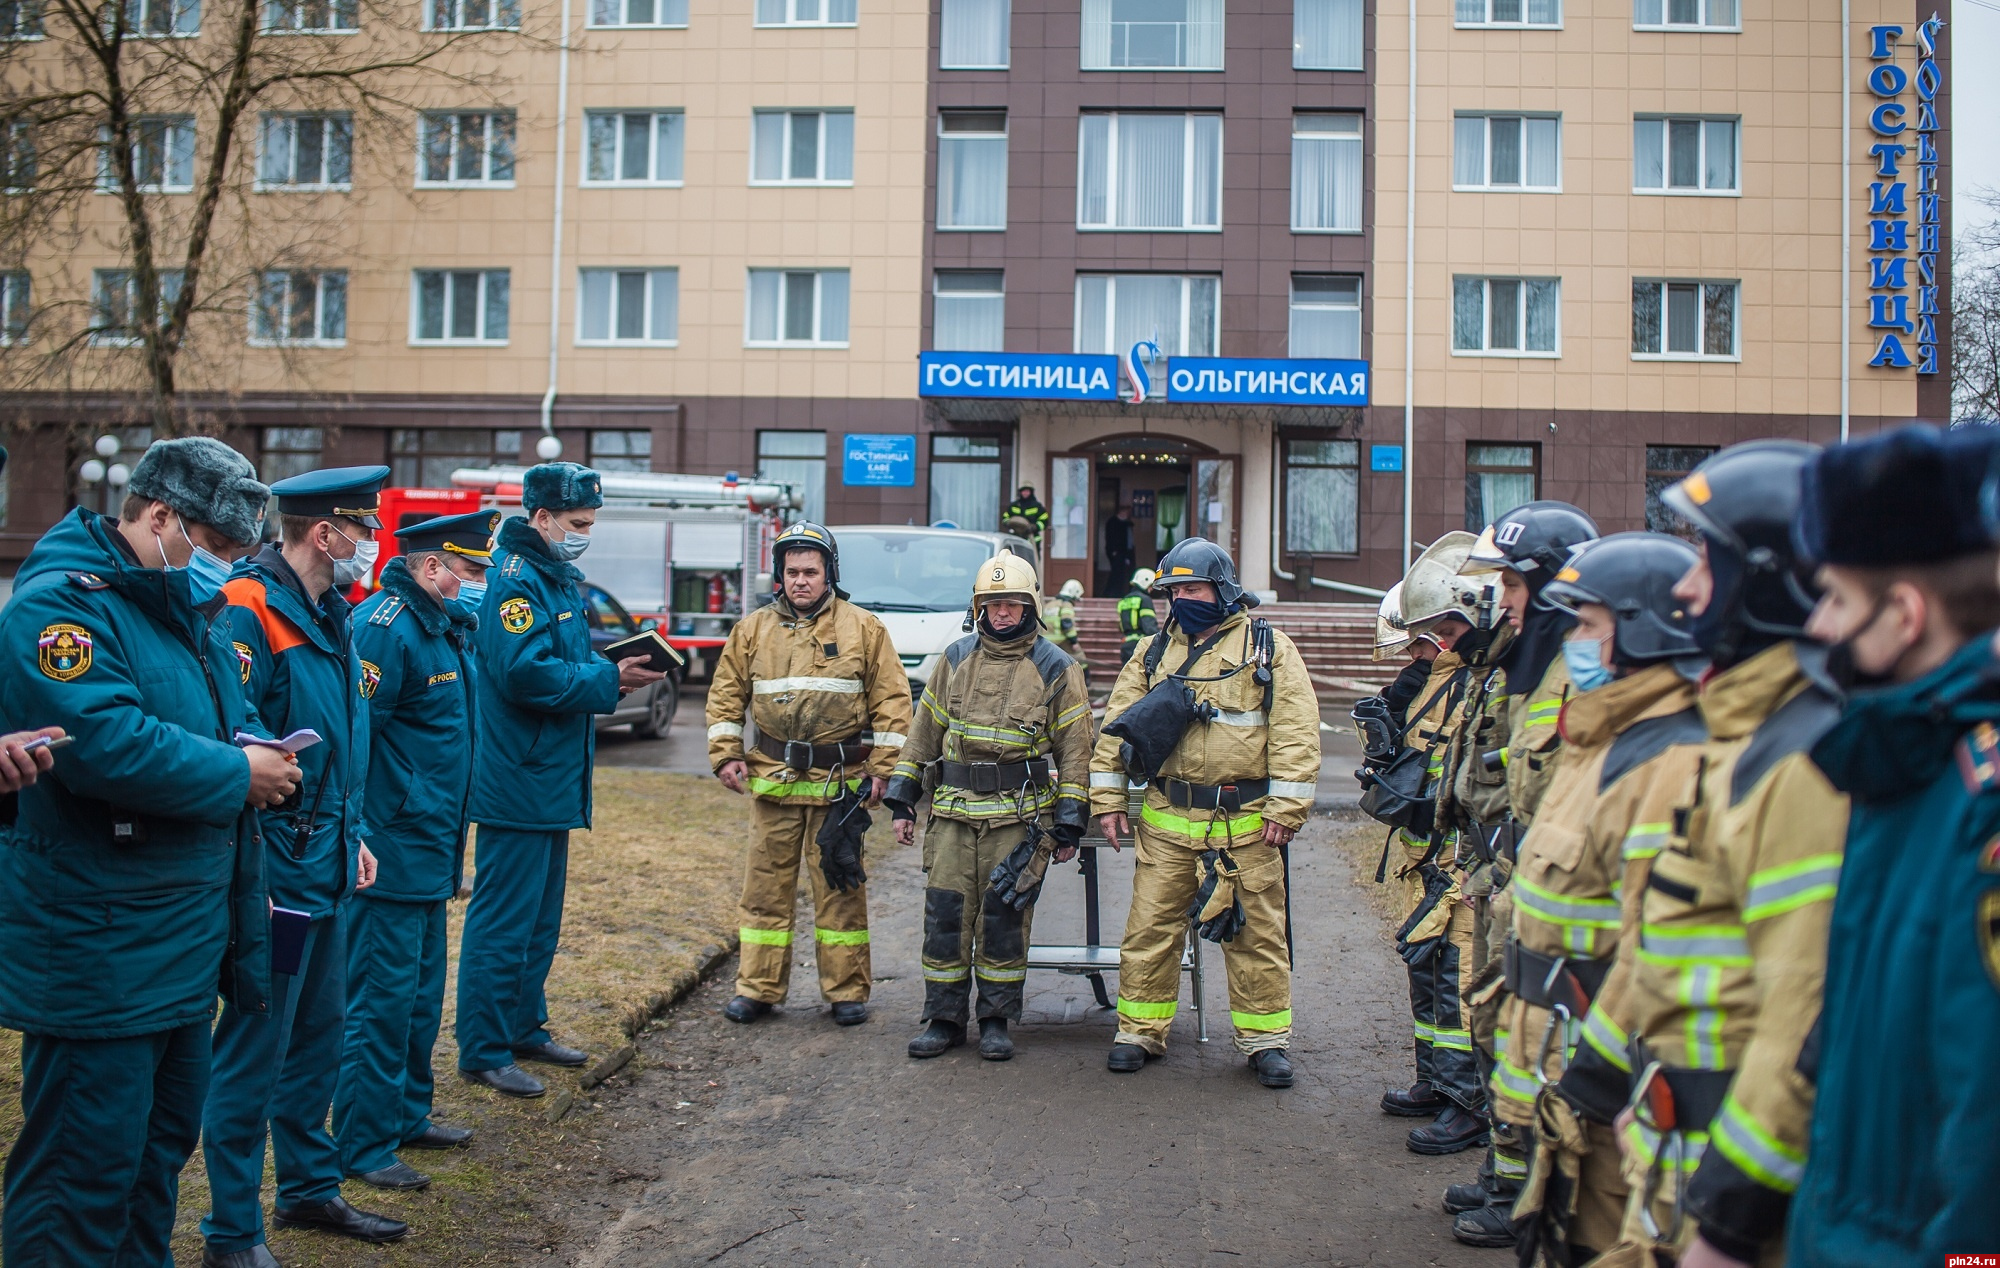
[(1188, 144), (1298, 47), (450, 118), (292, 121), (344, 17), (646, 318), (972, 138), (107, 179), (185, 17), (624, 9), (1006, 39), (35, 28), (584, 177), (1666, 121), (1666, 8), (1100, 23), (791, 7), (170, 289), (1735, 286), (791, 114), (486, 277), (318, 339), (1356, 138), (1490, 23), (1486, 349), (506, 15), (1293, 306), (17, 294), (940, 295), (819, 308), (1486, 117), (1109, 332)]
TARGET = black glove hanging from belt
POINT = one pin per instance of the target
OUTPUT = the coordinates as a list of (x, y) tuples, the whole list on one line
[(1017, 881), (840, 841), (1217, 911)]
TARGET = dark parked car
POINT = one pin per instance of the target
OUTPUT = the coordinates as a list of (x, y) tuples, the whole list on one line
[(650, 710)]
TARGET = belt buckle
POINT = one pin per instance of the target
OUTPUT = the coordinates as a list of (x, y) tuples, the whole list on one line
[(793, 751)]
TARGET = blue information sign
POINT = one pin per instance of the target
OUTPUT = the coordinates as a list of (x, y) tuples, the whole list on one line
[(887, 461), (1248, 381), (1034, 376), (1385, 457)]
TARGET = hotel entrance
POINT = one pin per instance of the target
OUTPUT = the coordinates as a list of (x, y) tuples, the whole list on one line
[(1173, 489)]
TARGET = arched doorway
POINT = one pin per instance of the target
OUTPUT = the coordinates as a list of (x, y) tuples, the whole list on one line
[(1172, 487)]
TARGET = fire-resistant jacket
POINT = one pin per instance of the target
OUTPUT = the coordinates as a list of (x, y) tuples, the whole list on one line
[(1904, 1167), (1732, 940), (1428, 728), (1630, 749), (1243, 742), (1534, 743), (828, 678), (1001, 702), (1470, 792)]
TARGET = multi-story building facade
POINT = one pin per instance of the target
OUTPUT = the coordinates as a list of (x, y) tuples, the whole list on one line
[(1316, 278)]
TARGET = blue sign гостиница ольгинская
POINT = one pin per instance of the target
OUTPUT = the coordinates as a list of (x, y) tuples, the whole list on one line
[(1088, 377)]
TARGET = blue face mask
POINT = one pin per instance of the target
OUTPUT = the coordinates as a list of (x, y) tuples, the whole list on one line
[(1198, 615), (471, 594), (571, 545), (206, 572), (1585, 658)]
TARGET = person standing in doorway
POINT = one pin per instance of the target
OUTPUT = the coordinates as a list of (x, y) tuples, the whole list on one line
[(1118, 544)]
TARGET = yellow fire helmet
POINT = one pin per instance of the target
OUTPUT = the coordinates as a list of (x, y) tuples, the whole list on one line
[(1007, 576), (1390, 636), (1434, 589)]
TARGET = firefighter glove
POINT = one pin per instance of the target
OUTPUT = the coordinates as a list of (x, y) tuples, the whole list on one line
[(840, 842)]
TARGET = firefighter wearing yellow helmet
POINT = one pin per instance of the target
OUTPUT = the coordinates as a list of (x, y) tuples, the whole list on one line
[(1001, 749)]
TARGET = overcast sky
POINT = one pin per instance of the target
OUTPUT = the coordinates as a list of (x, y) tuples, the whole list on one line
[(1975, 105)]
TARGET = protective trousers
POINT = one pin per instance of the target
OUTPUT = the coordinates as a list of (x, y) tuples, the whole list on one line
[(1442, 1018), (277, 1071), (967, 933), (512, 926), (781, 836), (395, 1003), (1165, 874), (94, 1176)]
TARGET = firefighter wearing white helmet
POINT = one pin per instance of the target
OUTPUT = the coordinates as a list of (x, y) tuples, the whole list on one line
[(1001, 750), (1136, 618)]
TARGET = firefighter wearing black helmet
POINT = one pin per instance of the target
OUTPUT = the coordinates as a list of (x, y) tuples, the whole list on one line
[(1228, 793)]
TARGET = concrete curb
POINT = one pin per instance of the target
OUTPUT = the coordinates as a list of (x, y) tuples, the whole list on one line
[(636, 1019)]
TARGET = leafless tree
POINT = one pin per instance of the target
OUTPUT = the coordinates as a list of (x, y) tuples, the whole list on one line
[(1975, 317)]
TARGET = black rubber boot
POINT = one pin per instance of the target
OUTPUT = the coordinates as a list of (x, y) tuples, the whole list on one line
[(1127, 1058), (937, 1039), (1421, 1101), (1491, 1225), (1273, 1067), (743, 1009), (994, 1042), (1454, 1130), (1465, 1197)]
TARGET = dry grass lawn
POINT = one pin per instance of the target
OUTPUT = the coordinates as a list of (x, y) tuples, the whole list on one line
[(654, 882)]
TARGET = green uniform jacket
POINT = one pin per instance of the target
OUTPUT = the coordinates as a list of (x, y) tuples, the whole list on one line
[(417, 675), (105, 938), (298, 668), (539, 685), (1136, 617)]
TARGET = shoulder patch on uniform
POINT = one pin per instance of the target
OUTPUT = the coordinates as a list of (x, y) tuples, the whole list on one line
[(1049, 659), (65, 651), (244, 657), (516, 617), (1645, 740), (1989, 934), (371, 678), (958, 651), (88, 581), (1989, 855), (1794, 728), (387, 613), (1977, 755)]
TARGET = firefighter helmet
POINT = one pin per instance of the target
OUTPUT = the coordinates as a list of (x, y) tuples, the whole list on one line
[(1199, 559), (1390, 636), (1633, 574), (1435, 589), (1007, 576), (1144, 578), (1743, 500), (1071, 589), (1533, 537), (806, 535)]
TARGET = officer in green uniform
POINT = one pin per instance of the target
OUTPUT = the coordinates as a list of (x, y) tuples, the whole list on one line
[(130, 887), (1136, 618), (414, 637), (298, 669), (539, 685)]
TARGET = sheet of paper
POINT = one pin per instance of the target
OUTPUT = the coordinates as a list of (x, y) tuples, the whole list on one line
[(303, 738)]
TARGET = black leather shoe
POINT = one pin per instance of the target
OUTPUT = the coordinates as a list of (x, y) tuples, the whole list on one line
[(938, 1038), (850, 1012), (742, 1008), (1421, 1101), (508, 1080), (1466, 1197), (397, 1175), (438, 1136), (339, 1218), (258, 1256), (994, 1042), (1127, 1058), (1273, 1067), (1491, 1225), (552, 1053), (1454, 1130)]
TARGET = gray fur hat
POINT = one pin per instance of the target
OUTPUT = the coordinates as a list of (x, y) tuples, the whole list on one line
[(206, 481), (561, 486)]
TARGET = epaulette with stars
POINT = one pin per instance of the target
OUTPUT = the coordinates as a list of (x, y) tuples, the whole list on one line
[(1978, 756), (512, 568), (387, 613)]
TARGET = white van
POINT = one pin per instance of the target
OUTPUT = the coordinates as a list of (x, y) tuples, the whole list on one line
[(919, 581)]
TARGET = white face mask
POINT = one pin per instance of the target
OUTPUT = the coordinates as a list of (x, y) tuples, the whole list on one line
[(571, 545), (357, 566)]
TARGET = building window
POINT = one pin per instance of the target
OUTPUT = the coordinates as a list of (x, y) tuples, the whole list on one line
[(20, 20), (305, 151), (1322, 497), (806, 12), (1326, 316), (16, 293), (1178, 313), (114, 304), (1503, 151), (162, 155), (797, 308), (295, 306), (797, 458), (163, 17), (1666, 466), (639, 12), (466, 149), (17, 155), (472, 15), (1149, 171), (628, 306), (1152, 34), (460, 306), (1326, 35), (1326, 173), (426, 457), (1683, 321), (312, 17), (1508, 13), (1684, 156), (635, 147), (1499, 478), (965, 481), (283, 452), (1506, 316), (973, 34), (802, 147), (972, 170), (1714, 15), (970, 311), (621, 450)]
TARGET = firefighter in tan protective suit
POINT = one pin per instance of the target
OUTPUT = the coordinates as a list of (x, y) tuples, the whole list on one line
[(1001, 748), (819, 679), (1217, 713)]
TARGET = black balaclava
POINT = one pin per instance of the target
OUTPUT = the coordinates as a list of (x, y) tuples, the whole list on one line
[(1721, 630), (1028, 623), (1540, 641)]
